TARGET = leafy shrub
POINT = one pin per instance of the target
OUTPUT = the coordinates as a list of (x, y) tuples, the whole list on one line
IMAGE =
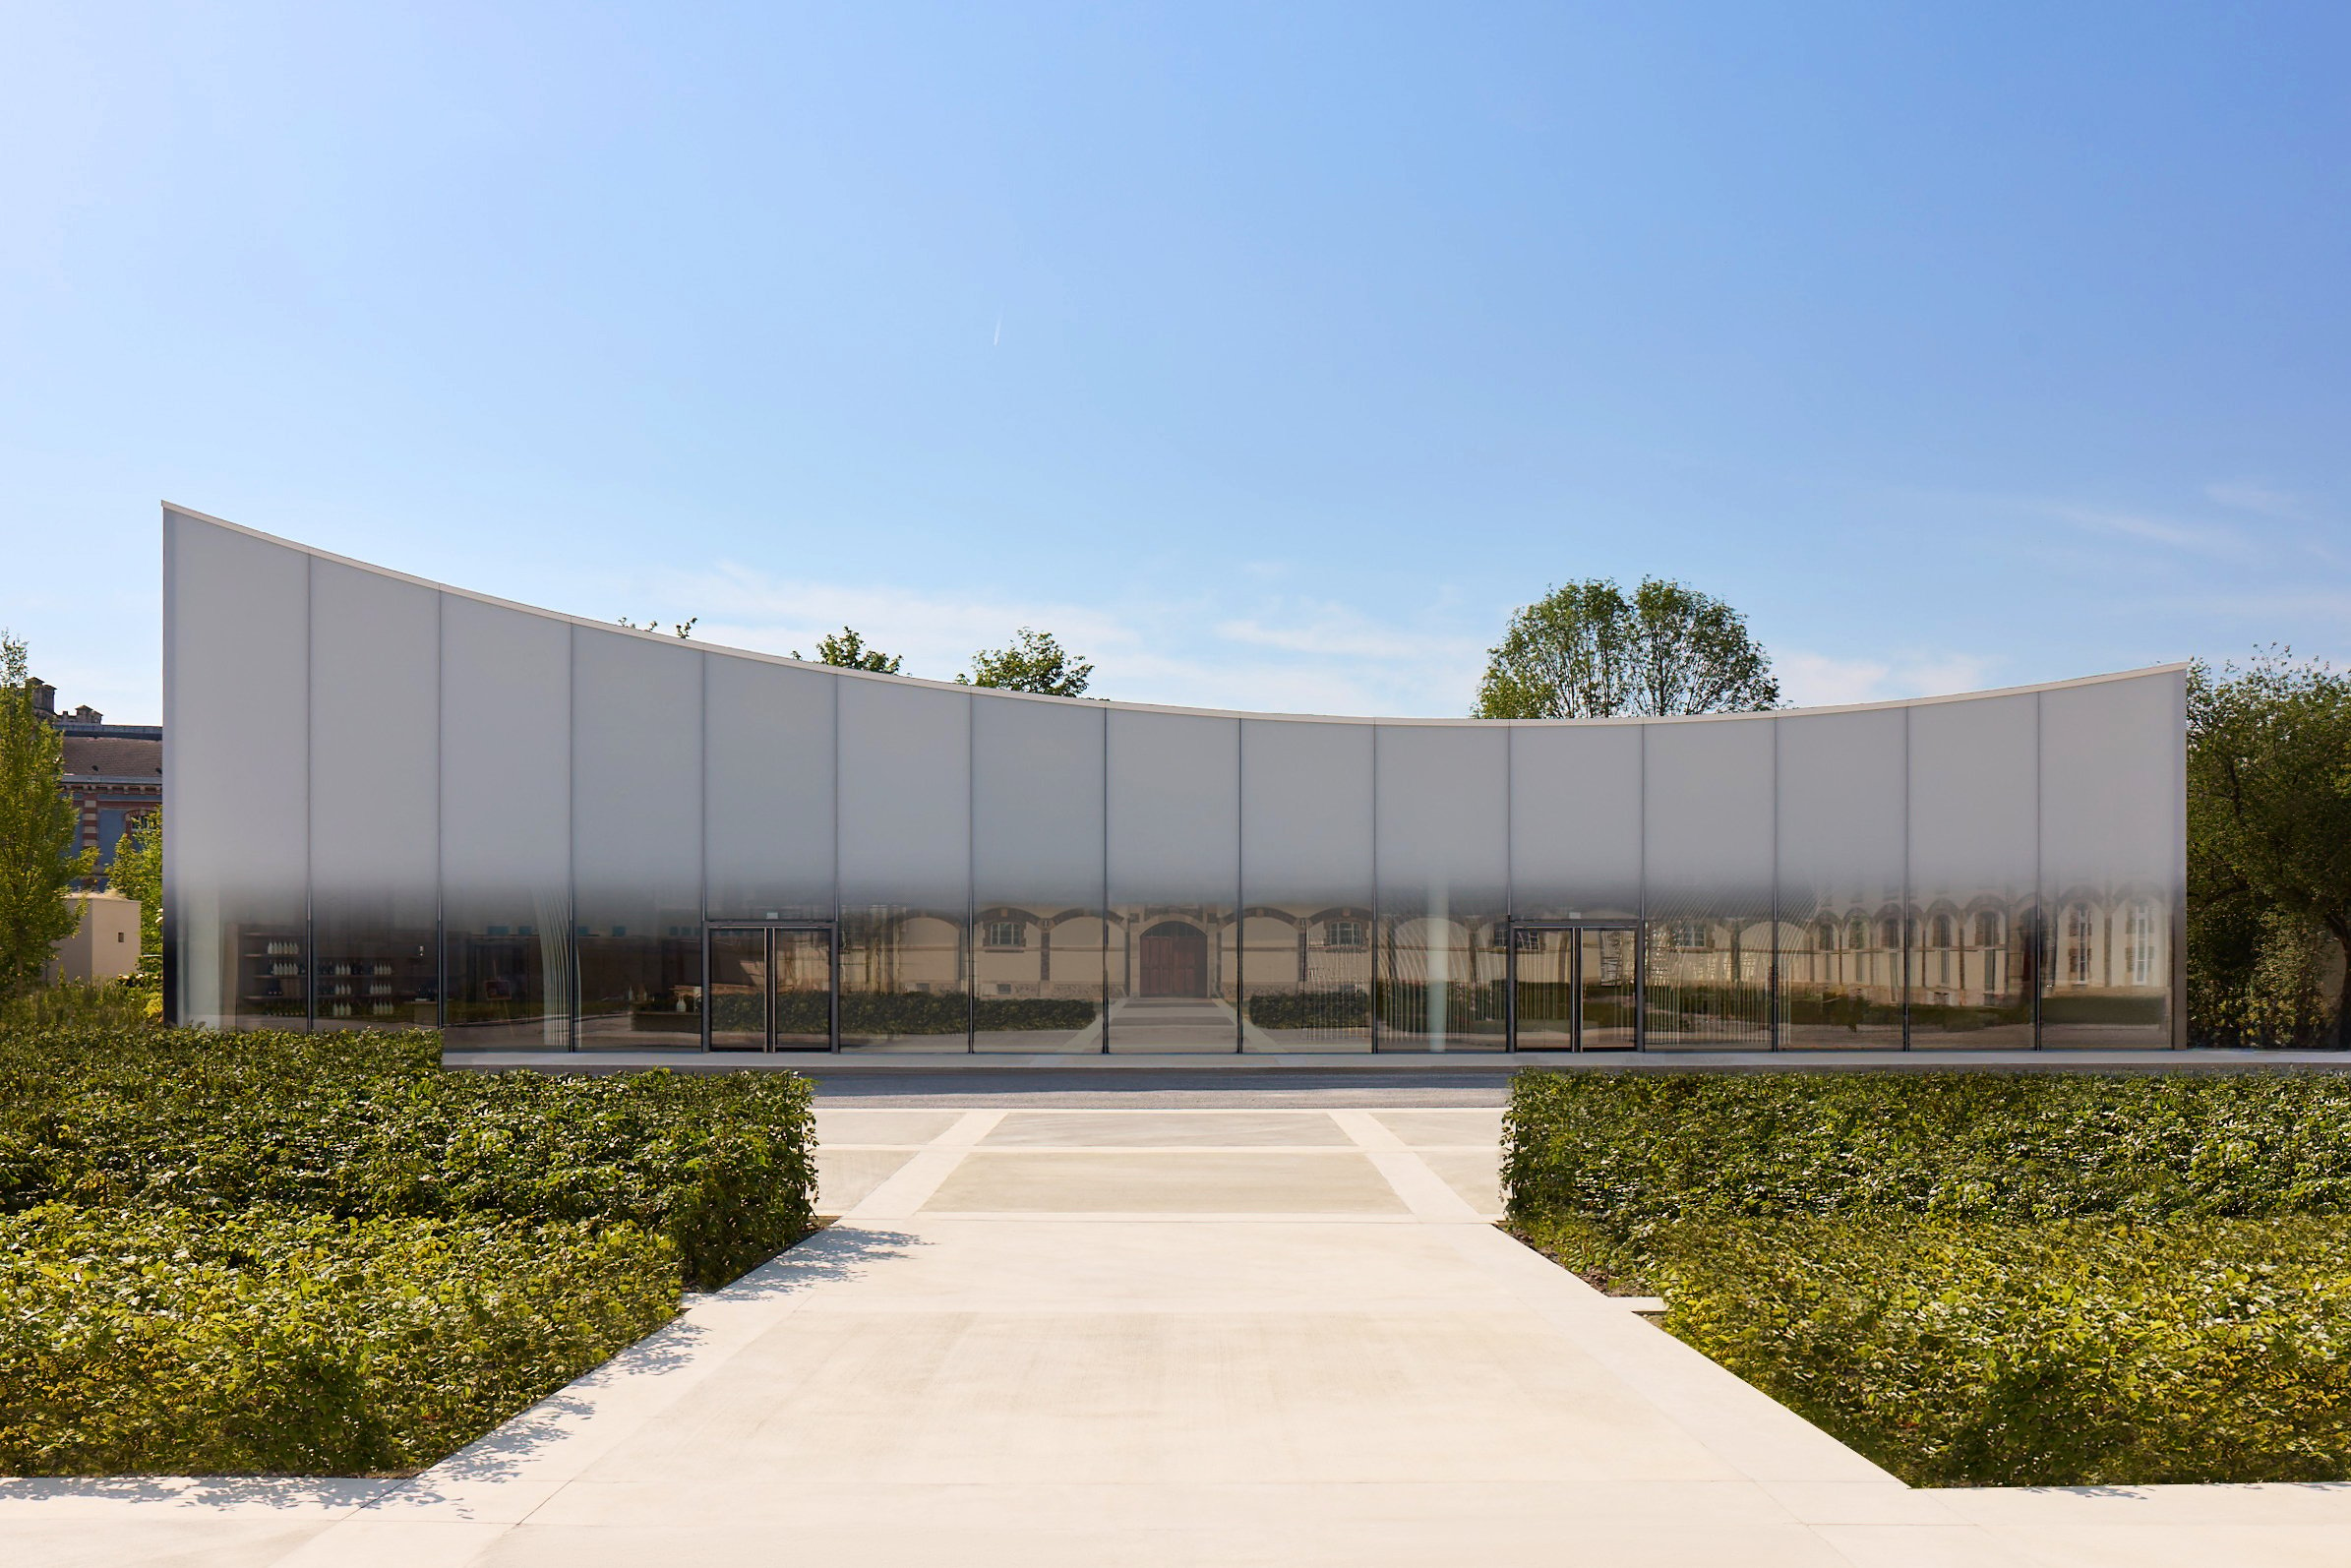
[(1640, 1148), (1980, 1279), (274, 1339), (368, 1124), (83, 1003), (2060, 1355)]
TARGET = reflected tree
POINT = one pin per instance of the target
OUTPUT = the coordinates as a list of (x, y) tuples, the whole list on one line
[(1590, 650)]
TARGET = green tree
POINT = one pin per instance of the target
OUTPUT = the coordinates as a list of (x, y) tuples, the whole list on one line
[(38, 829), (2269, 851), (1035, 661), (1591, 650), (848, 651), (138, 872)]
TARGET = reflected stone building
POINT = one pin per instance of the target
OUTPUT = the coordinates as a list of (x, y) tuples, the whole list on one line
[(394, 804)]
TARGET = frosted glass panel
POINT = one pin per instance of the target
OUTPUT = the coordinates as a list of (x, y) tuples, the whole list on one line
[(1840, 878), (636, 839), (905, 847), (1707, 832), (1975, 921), (1037, 815), (374, 751), (506, 825), (1444, 881), (1575, 821), (2112, 791), (1306, 894), (238, 776), (1175, 844), (769, 750)]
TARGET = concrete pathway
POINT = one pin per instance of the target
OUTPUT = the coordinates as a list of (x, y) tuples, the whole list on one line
[(1158, 1336)]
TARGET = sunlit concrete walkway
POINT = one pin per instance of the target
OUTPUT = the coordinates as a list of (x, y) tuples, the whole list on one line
[(1049, 1336)]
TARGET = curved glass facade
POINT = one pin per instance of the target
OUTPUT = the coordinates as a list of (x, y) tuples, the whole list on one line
[(396, 803)]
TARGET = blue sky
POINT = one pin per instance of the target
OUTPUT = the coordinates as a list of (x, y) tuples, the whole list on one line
[(1271, 355)]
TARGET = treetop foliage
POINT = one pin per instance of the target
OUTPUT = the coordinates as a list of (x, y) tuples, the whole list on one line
[(2270, 847), (38, 825), (1035, 661), (848, 651), (1590, 650)]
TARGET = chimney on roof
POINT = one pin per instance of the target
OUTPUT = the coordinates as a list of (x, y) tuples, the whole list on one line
[(44, 699), (86, 714)]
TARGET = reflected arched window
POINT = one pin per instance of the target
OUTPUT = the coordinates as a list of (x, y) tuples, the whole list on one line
[(1987, 930), (1858, 934), (1824, 937), (1889, 934), (2078, 930), (1939, 934)]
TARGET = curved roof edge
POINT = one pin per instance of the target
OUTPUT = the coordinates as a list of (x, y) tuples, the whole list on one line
[(1139, 708)]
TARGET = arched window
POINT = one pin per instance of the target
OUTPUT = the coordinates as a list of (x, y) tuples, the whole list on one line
[(1824, 937), (1889, 934), (1987, 930), (1858, 934), (1939, 934), (2078, 930)]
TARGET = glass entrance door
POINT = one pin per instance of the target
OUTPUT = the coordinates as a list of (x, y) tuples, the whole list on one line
[(768, 988), (1575, 987), (1608, 988)]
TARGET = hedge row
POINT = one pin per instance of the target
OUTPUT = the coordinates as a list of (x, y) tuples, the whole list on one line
[(1643, 1148), (274, 1340), (2072, 1353), (363, 1125), (1980, 1279)]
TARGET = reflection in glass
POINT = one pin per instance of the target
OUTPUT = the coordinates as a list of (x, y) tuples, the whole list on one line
[(1173, 837), (736, 1003), (905, 848), (1972, 934), (375, 654), (1305, 866), (2112, 842), (1444, 879), (1707, 841), (1037, 815), (238, 614), (506, 825), (637, 843), (1545, 976), (1607, 978), (1840, 879)]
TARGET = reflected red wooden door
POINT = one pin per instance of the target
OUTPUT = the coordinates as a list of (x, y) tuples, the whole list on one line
[(1175, 960)]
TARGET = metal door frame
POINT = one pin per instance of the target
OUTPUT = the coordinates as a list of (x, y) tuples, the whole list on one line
[(832, 980), (1575, 984)]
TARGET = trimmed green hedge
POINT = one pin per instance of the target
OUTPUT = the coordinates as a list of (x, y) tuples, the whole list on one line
[(2067, 1354), (274, 1339), (1635, 1149), (1976, 1278), (367, 1125)]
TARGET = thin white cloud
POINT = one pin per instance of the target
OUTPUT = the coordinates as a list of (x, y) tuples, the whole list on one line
[(2191, 537), (2248, 495), (1819, 680), (1286, 657)]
